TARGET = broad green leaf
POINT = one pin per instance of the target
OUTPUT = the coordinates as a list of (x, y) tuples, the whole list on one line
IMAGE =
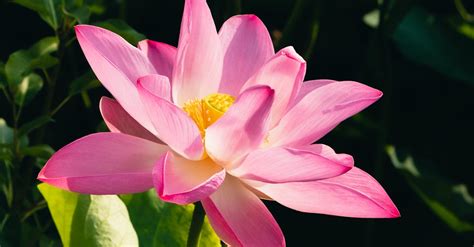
[(26, 128), (452, 203), (23, 62), (28, 88), (89, 220), (43, 151), (372, 18), (463, 27), (83, 83), (6, 133), (427, 39), (164, 224), (123, 29), (46, 9), (6, 139)]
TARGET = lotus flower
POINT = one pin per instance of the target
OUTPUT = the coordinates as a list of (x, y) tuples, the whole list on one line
[(221, 119)]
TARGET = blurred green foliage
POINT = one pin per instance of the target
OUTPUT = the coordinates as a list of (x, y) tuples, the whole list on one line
[(419, 53)]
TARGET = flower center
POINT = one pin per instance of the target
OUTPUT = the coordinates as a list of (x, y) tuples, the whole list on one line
[(206, 111)]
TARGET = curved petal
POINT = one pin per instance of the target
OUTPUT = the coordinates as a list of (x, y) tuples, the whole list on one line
[(172, 125), (157, 84), (104, 163), (183, 181), (162, 56), (283, 164), (198, 68), (307, 87), (117, 65), (242, 128), (353, 194), (240, 218), (247, 45), (284, 73), (118, 120), (320, 111)]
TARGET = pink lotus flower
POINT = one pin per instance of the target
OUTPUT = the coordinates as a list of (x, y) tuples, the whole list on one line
[(223, 120)]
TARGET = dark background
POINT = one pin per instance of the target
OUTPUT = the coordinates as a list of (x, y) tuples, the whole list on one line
[(425, 111)]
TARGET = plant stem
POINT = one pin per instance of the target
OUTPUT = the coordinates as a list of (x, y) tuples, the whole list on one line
[(196, 225)]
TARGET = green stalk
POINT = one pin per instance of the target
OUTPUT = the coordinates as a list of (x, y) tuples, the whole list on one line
[(196, 225)]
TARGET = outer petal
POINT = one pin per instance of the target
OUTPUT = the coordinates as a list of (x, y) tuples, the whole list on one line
[(242, 128), (353, 194), (283, 164), (157, 84), (118, 65), (247, 45), (104, 163), (162, 56), (240, 218), (198, 68), (118, 120), (172, 125), (284, 73), (309, 86), (182, 181), (320, 111)]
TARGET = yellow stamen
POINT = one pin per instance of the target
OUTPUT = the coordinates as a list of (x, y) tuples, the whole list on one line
[(206, 111)]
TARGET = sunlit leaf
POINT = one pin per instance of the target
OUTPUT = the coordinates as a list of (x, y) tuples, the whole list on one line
[(123, 29), (451, 202), (23, 62), (164, 224), (424, 38), (28, 88), (89, 220), (46, 9)]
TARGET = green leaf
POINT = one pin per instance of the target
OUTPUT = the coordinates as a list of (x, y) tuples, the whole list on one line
[(46, 9), (423, 38), (6, 139), (26, 128), (89, 220), (23, 62), (77, 10), (83, 83), (123, 29), (3, 77), (28, 88), (452, 203), (164, 224), (42, 151)]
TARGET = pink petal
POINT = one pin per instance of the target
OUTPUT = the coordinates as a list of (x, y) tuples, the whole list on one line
[(198, 68), (104, 163), (240, 218), (172, 125), (353, 194), (284, 73), (118, 120), (247, 45), (309, 86), (320, 111), (183, 181), (118, 65), (162, 56), (242, 128), (284, 164), (157, 84)]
